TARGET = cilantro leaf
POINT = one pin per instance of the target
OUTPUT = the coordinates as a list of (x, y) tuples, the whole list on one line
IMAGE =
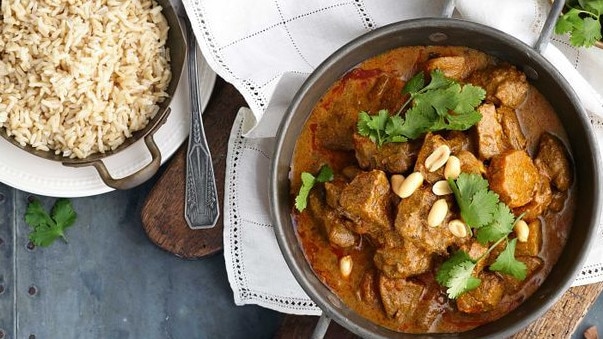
[(417, 120), (442, 104), (469, 97), (414, 84), (590, 32), (593, 6), (438, 81), (476, 201), (373, 126), (482, 210), (507, 264), (456, 273), (583, 22), (308, 181), (63, 213), (500, 226), (325, 174), (36, 216), (461, 279), (47, 228), (443, 274), (363, 124)]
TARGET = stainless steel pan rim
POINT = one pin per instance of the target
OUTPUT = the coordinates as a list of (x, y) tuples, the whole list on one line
[(443, 31)]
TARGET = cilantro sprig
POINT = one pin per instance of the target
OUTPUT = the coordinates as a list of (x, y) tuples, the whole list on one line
[(308, 181), (49, 227), (582, 21), (493, 221), (441, 104), (456, 273)]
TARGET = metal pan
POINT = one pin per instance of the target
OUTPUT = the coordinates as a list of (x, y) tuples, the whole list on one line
[(445, 31), (177, 49)]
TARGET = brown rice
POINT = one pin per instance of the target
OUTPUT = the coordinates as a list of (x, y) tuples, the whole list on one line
[(78, 77)]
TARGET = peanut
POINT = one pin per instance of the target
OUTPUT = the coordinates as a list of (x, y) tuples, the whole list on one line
[(453, 168), (438, 213), (409, 185), (395, 181), (457, 228), (522, 231), (441, 188), (345, 266), (437, 158)]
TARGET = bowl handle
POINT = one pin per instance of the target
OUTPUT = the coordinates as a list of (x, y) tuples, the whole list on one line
[(135, 178)]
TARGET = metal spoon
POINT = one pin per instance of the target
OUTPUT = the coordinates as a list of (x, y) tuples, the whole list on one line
[(201, 198)]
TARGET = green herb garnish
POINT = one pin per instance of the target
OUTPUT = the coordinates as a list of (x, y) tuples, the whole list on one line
[(456, 273), (443, 104), (47, 228), (582, 21), (493, 221), (506, 262), (308, 181)]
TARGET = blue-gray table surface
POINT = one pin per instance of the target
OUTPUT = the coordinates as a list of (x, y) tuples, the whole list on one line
[(110, 281)]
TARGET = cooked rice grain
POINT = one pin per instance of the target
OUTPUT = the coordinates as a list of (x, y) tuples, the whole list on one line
[(79, 77)]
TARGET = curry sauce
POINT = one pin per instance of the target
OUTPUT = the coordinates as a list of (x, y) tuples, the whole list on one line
[(392, 279)]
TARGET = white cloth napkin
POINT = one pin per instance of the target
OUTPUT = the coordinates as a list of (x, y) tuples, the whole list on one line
[(266, 48)]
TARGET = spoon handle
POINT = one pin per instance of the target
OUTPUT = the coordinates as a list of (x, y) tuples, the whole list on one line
[(201, 199)]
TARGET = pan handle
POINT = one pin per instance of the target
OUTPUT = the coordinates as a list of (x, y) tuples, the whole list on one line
[(547, 28), (135, 178), (321, 327), (448, 8)]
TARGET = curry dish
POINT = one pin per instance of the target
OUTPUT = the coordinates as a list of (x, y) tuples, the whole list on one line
[(385, 232)]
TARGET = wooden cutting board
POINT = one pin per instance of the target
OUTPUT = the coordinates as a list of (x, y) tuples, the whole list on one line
[(163, 210)]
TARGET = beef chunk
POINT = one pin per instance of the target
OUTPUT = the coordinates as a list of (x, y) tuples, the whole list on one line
[(337, 136), (458, 141), (533, 265), (470, 164), (554, 157), (411, 223), (385, 93), (338, 229), (340, 235), (504, 84), (368, 288), (350, 172), (451, 66), (432, 303), (475, 250), (333, 191), (558, 201), (485, 297), (457, 67), (511, 127), (432, 141), (541, 200), (366, 200), (394, 157), (402, 260), (534, 244), (359, 90), (514, 177), (490, 137), (399, 296)]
